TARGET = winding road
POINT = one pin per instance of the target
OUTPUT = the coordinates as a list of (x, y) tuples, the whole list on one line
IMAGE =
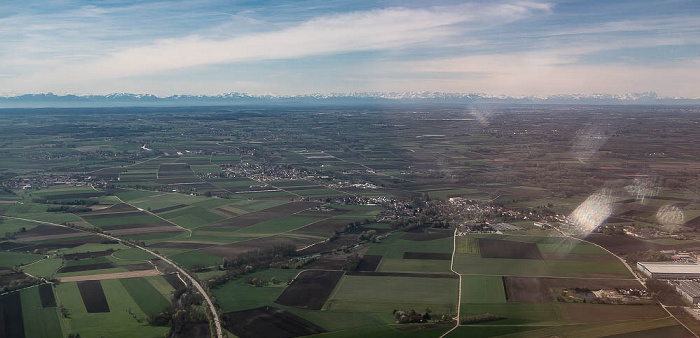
[(200, 289)]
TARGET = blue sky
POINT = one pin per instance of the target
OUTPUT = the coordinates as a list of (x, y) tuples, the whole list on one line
[(295, 47)]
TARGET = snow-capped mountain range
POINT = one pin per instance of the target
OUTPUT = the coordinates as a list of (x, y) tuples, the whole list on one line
[(360, 98)]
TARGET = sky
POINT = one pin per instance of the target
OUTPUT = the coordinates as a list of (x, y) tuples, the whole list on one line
[(207, 47)]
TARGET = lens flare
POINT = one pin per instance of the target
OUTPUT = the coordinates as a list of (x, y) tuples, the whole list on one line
[(481, 116), (590, 214), (670, 217), (644, 187), (587, 142)]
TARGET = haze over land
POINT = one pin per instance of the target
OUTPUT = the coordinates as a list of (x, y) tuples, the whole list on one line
[(51, 100), (336, 169)]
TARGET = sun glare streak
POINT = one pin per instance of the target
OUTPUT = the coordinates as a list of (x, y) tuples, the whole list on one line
[(587, 142), (670, 217), (481, 116), (590, 214), (643, 187)]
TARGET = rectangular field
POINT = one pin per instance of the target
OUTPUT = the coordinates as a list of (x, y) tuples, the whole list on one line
[(93, 296), (146, 296), (310, 289), (483, 289), (40, 320), (384, 294)]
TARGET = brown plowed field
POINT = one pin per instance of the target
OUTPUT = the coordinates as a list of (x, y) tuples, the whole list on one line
[(7, 277), (87, 267), (527, 290), (134, 226), (623, 244), (310, 289), (83, 255), (675, 331), (174, 281), (593, 283), (114, 215), (369, 263), (496, 248), (401, 274), (427, 236), (327, 226), (49, 237), (269, 322), (223, 212), (138, 267), (578, 257), (45, 230), (588, 313), (69, 243), (11, 320), (174, 167), (428, 255), (183, 245), (170, 208), (233, 249), (93, 296), (120, 207), (46, 295), (147, 230)]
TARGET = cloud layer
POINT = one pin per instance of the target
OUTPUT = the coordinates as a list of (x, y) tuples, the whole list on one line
[(204, 47)]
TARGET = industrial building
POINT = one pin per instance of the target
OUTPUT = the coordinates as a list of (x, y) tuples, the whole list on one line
[(670, 270), (689, 289)]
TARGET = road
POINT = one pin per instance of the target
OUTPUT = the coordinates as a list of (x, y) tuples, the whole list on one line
[(459, 298), (623, 261), (200, 289)]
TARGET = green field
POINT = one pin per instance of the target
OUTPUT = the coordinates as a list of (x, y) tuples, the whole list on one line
[(269, 228), (39, 322), (414, 265), (44, 268), (483, 289), (385, 331), (468, 245), (119, 322), (393, 249), (146, 295), (191, 258), (466, 262), (9, 259), (516, 313), (133, 254), (384, 294), (235, 295)]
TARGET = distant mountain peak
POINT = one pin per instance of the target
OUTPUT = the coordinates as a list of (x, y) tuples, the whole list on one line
[(236, 98)]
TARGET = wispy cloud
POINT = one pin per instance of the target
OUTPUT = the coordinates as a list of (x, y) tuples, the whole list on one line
[(209, 46), (381, 29)]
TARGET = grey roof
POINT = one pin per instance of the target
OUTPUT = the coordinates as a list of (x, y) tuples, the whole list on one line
[(690, 287), (671, 267)]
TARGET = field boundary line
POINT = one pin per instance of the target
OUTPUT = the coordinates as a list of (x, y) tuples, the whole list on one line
[(152, 214), (459, 298), (271, 235), (638, 279), (195, 283)]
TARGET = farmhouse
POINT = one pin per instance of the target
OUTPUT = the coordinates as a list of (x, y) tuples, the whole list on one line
[(669, 270)]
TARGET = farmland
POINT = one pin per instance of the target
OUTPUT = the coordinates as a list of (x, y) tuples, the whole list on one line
[(340, 225)]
